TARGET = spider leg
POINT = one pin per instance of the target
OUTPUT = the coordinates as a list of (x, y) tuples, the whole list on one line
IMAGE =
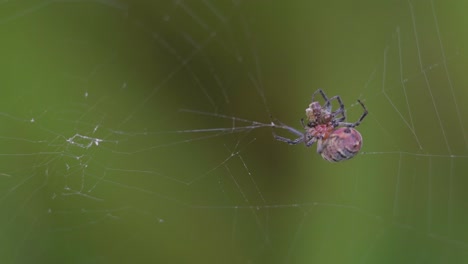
[(289, 141), (320, 147), (338, 121), (322, 93), (298, 140), (357, 123), (284, 126), (339, 115), (311, 142), (340, 109)]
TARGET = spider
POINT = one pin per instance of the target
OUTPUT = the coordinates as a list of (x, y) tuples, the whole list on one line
[(336, 139)]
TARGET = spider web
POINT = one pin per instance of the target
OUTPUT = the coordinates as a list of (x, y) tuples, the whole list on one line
[(141, 132)]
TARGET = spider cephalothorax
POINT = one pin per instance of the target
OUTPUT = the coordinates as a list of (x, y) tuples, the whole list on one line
[(319, 124), (336, 139), (316, 114)]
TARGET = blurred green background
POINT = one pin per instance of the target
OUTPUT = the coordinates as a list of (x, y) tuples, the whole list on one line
[(131, 132)]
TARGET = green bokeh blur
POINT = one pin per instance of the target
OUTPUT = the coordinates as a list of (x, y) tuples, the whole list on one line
[(102, 163)]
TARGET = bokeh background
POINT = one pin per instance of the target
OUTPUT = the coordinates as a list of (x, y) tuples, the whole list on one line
[(138, 132)]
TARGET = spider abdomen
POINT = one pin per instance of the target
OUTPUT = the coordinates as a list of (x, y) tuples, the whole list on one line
[(342, 144)]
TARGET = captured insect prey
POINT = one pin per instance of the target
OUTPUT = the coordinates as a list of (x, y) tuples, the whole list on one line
[(337, 140)]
